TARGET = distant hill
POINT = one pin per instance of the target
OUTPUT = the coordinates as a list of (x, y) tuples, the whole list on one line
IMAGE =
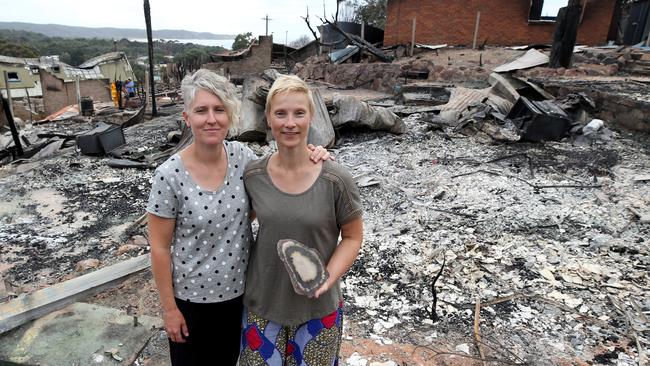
[(66, 31)]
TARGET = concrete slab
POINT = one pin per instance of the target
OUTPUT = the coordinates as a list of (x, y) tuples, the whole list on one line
[(80, 334)]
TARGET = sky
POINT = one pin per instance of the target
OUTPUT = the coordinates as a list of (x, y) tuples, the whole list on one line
[(214, 16), (552, 7)]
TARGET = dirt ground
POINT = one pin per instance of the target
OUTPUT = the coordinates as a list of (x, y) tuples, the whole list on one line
[(138, 295)]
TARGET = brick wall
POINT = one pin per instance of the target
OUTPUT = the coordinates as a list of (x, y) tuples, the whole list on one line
[(258, 60), (58, 94), (503, 22)]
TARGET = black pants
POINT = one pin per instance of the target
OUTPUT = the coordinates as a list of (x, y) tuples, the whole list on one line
[(215, 333)]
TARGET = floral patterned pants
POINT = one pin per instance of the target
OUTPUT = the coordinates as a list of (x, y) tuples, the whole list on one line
[(314, 343)]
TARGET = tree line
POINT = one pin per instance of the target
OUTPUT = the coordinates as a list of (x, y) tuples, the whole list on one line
[(75, 51)]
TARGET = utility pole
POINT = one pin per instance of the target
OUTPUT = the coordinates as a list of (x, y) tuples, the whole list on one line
[(267, 23), (147, 19)]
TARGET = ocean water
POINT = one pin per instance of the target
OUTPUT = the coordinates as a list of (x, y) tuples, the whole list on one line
[(225, 43)]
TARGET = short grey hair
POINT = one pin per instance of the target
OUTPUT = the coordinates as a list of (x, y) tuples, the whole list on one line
[(215, 84)]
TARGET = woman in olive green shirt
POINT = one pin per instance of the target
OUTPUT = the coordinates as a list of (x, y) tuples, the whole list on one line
[(309, 204)]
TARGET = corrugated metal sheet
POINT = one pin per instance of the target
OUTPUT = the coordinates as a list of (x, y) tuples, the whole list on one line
[(107, 57), (340, 56), (461, 98), (50, 63), (72, 73), (499, 103), (12, 60), (530, 59)]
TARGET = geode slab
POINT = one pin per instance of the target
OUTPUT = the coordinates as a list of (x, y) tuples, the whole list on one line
[(304, 265)]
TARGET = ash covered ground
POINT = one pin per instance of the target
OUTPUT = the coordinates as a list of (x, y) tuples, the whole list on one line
[(70, 207), (545, 236), (566, 267)]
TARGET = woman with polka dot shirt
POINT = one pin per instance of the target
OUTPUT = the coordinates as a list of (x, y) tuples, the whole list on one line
[(199, 228)]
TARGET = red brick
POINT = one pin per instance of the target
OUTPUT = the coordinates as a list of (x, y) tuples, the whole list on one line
[(503, 22), (58, 93)]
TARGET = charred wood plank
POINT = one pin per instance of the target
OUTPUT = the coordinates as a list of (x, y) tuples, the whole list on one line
[(12, 126), (360, 42), (434, 315), (39, 303)]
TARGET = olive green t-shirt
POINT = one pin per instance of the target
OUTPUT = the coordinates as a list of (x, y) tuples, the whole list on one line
[(313, 218)]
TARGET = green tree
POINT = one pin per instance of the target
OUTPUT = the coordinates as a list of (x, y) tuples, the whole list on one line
[(17, 50), (74, 51), (242, 41), (190, 61), (373, 12)]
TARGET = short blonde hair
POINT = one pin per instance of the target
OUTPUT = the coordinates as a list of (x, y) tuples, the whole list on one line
[(215, 84), (290, 84)]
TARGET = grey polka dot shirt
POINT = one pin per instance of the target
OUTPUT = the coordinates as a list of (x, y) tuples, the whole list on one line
[(211, 242)]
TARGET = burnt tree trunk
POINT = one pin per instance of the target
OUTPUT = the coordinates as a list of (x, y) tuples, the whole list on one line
[(147, 20), (12, 125), (566, 31)]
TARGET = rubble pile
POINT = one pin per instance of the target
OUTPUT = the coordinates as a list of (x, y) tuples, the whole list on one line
[(579, 70), (376, 76), (627, 59), (464, 67), (67, 128), (338, 112), (471, 68), (625, 103)]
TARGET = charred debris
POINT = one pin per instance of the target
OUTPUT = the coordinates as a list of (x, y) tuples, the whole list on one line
[(506, 203)]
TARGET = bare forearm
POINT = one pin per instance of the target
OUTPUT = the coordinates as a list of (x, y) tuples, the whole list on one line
[(161, 268), (344, 255), (160, 235), (347, 250), (343, 258)]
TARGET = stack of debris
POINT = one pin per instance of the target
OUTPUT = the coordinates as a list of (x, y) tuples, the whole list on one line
[(98, 133), (515, 109), (343, 112), (376, 76), (632, 60)]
